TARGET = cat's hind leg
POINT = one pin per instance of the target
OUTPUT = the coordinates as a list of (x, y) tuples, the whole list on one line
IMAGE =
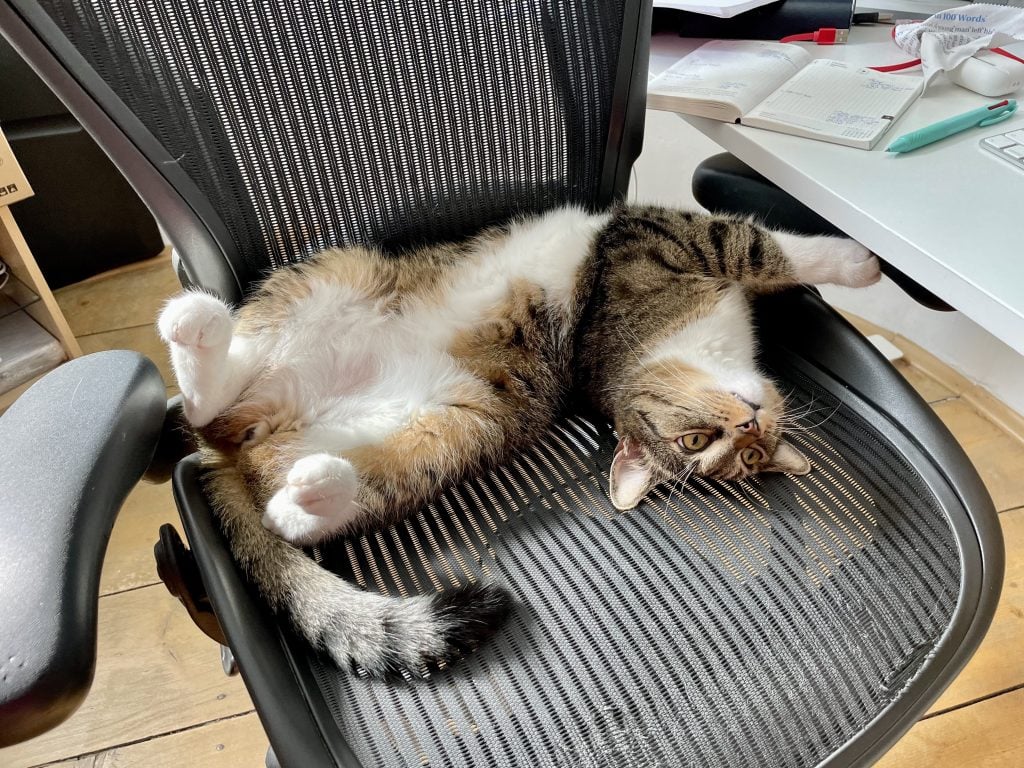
[(317, 500), (211, 365)]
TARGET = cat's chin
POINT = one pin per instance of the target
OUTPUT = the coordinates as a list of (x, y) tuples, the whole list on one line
[(746, 386)]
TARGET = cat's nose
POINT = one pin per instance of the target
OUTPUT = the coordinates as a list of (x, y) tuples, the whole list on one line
[(750, 428)]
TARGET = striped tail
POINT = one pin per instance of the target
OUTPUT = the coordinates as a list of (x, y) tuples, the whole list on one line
[(383, 635)]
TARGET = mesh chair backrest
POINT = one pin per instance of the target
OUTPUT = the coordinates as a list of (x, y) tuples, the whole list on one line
[(306, 125)]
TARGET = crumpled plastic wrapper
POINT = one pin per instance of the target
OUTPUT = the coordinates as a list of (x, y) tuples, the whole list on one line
[(944, 41)]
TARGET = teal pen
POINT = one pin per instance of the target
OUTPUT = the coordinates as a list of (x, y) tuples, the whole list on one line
[(976, 118)]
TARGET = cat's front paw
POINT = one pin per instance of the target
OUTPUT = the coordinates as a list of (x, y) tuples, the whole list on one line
[(855, 266), (195, 320), (317, 500)]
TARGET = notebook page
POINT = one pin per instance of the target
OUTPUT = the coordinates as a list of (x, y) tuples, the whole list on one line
[(835, 101), (723, 9), (724, 78)]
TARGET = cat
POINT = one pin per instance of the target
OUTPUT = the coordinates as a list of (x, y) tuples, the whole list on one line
[(354, 387)]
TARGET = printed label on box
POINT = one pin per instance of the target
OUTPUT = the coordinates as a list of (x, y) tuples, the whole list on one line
[(13, 184)]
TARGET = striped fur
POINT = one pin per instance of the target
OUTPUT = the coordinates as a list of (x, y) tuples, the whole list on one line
[(354, 388)]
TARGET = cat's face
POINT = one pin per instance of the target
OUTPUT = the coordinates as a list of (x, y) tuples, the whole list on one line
[(675, 420)]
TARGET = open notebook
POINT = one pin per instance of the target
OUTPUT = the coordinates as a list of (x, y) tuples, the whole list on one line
[(779, 87)]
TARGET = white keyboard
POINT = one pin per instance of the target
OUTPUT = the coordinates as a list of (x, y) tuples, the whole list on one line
[(1009, 146)]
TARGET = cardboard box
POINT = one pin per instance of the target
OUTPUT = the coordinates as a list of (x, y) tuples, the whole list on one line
[(13, 184)]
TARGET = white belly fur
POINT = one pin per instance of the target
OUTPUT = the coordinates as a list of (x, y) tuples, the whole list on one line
[(357, 374)]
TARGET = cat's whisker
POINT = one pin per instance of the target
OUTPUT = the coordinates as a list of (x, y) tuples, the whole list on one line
[(681, 396), (668, 496), (625, 341), (643, 346), (635, 345), (807, 411), (792, 411), (831, 409), (680, 485), (809, 427), (742, 490), (686, 477)]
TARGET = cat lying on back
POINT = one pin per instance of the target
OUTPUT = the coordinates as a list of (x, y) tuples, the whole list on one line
[(354, 388)]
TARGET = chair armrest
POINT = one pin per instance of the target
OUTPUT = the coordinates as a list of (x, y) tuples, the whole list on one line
[(73, 446)]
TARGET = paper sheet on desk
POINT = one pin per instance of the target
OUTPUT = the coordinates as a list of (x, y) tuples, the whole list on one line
[(723, 9), (836, 101), (945, 40)]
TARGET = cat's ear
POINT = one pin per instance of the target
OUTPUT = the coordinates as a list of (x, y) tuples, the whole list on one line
[(787, 459), (630, 478)]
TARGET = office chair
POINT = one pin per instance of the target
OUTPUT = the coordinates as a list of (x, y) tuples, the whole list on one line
[(777, 622)]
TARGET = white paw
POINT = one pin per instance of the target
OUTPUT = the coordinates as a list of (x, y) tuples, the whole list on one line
[(322, 482), (195, 319), (825, 259), (317, 500), (855, 266)]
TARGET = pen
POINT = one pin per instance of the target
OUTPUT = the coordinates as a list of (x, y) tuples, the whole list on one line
[(976, 118)]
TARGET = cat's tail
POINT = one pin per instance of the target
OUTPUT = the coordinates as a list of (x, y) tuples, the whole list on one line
[(383, 635)]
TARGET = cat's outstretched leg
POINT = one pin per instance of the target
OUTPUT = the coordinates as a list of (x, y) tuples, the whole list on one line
[(760, 259), (823, 259), (211, 366), (317, 500)]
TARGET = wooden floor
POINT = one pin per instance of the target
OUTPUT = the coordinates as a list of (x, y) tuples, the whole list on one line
[(160, 698)]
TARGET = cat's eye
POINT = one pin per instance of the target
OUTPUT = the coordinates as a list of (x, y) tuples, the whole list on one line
[(694, 441), (752, 456)]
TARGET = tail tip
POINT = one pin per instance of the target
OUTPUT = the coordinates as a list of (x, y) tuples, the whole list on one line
[(471, 614), (459, 621)]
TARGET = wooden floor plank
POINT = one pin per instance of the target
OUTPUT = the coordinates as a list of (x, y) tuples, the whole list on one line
[(156, 673), (237, 742), (987, 735), (866, 327), (129, 562), (120, 300), (998, 663)]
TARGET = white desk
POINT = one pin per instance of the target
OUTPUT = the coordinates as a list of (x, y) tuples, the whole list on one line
[(951, 216)]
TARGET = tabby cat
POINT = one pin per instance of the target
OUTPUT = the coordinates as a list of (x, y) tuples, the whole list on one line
[(355, 387)]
